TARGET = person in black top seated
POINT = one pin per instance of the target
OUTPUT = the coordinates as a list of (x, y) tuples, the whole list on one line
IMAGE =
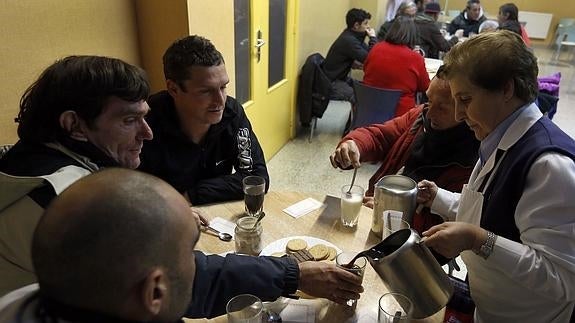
[(349, 50), (469, 19), (203, 142)]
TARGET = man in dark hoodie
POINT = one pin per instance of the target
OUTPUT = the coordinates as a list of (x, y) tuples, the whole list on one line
[(348, 49), (203, 142), (469, 19)]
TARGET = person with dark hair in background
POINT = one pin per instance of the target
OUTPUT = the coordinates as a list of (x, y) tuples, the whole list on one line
[(508, 18), (203, 142), (392, 64), (118, 246), (349, 50), (429, 35), (514, 220), (82, 114), (469, 19)]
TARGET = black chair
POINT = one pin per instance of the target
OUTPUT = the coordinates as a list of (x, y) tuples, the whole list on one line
[(373, 105)]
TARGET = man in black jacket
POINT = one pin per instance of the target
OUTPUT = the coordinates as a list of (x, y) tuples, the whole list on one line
[(468, 20), (348, 49), (201, 135)]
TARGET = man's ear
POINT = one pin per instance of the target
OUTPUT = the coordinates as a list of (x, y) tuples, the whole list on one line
[(172, 87), (356, 25), (509, 90), (155, 291), (72, 124)]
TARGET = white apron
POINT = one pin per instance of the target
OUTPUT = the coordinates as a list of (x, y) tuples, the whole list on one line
[(470, 210)]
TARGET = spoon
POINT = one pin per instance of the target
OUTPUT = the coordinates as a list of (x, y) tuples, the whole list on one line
[(222, 235), (348, 193), (259, 219)]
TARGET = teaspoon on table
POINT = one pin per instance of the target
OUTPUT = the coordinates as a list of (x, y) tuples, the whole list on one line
[(222, 235)]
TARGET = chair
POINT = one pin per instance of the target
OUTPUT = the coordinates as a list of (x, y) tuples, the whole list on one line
[(373, 105), (565, 38), (313, 92), (563, 23)]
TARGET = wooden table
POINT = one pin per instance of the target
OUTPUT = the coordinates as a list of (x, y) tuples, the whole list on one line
[(323, 223)]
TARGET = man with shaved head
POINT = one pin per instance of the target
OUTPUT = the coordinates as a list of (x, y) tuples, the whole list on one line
[(119, 245), (109, 249)]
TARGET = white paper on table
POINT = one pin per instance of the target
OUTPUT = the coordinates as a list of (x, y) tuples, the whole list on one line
[(223, 225), (366, 315), (303, 207), (298, 313)]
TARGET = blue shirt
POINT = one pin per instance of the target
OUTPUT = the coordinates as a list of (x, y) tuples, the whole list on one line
[(489, 144)]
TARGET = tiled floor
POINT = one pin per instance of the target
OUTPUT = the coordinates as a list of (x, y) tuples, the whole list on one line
[(305, 166)]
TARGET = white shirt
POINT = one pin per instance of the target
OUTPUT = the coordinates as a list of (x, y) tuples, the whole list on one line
[(532, 281)]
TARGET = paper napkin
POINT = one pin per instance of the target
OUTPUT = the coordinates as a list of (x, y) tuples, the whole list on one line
[(223, 225), (303, 207)]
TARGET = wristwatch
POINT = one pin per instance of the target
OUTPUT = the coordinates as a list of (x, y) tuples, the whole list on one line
[(487, 248)]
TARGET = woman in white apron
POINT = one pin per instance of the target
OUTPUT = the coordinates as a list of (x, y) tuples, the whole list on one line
[(514, 222)]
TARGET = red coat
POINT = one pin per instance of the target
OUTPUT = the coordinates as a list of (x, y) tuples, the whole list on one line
[(396, 67), (390, 143)]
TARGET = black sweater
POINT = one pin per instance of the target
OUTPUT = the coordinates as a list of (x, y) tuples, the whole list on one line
[(202, 170)]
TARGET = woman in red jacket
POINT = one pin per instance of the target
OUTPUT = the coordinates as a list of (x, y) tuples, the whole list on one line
[(392, 64)]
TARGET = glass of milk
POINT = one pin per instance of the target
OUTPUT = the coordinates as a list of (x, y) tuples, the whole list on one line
[(351, 201)]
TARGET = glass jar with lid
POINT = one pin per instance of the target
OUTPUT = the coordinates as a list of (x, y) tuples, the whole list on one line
[(248, 237)]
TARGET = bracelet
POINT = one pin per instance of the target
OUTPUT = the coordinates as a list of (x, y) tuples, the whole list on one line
[(487, 248)]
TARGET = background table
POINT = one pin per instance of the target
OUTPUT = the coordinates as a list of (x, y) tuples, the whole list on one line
[(323, 223)]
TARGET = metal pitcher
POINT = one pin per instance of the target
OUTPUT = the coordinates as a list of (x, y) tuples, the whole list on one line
[(397, 193), (408, 267)]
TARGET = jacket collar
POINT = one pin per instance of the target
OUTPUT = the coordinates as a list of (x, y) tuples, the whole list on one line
[(165, 114), (516, 130), (357, 34)]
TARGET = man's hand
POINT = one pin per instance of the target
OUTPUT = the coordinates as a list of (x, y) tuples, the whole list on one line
[(458, 33), (426, 192), (346, 155), (324, 280), (451, 238), (370, 32), (200, 218), (368, 201)]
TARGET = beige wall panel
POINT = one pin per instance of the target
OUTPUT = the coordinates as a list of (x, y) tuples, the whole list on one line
[(37, 32), (215, 20), (375, 7), (320, 22), (559, 9), (159, 24)]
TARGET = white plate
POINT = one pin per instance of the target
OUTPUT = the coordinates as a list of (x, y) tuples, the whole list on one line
[(280, 245)]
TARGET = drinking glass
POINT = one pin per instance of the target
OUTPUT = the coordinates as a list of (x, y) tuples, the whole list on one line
[(245, 308), (358, 268), (392, 222), (394, 308), (351, 201), (254, 190)]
